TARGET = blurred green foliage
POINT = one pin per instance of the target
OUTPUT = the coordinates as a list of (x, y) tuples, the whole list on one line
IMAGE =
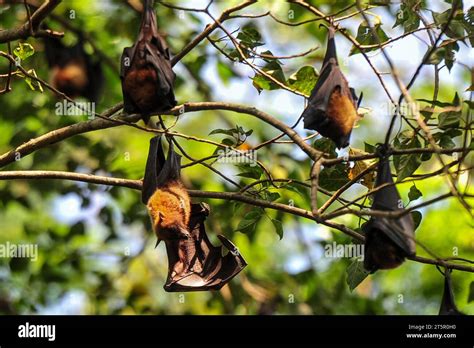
[(102, 259)]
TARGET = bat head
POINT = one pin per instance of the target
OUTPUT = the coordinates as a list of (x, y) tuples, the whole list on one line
[(159, 172)]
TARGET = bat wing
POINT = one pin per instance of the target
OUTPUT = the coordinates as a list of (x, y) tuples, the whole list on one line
[(195, 264), (166, 76), (125, 64), (320, 115), (159, 170), (400, 230), (448, 305), (154, 164)]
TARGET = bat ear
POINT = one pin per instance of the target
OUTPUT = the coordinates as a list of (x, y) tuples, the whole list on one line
[(154, 165)]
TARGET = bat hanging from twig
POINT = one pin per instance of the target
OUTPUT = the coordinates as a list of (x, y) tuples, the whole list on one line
[(332, 106), (387, 240), (73, 71), (448, 305), (145, 70), (193, 262)]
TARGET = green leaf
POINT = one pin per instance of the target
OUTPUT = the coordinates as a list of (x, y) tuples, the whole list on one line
[(24, 50), (303, 80), (334, 177), (435, 102), (414, 193), (271, 196), (250, 220), (225, 72), (406, 165), (449, 119), (369, 148), (228, 142), (407, 16), (356, 273), (365, 37), (446, 142), (326, 145), (250, 37), (261, 82), (248, 171), (223, 131), (278, 227), (416, 216)]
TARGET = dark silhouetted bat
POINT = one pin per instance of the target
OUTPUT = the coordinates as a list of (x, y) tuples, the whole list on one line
[(387, 240), (193, 262), (73, 72), (332, 109), (448, 305), (146, 73)]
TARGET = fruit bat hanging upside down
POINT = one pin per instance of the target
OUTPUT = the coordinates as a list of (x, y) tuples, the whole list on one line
[(73, 72), (387, 240), (332, 109), (193, 262), (146, 74)]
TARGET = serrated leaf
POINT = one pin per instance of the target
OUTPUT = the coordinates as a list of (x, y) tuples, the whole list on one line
[(356, 273), (261, 82), (303, 80), (365, 37), (414, 193), (407, 16)]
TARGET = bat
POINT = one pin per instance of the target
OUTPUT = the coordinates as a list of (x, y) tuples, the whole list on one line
[(332, 109), (448, 305), (72, 70), (387, 240), (145, 70), (193, 262)]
